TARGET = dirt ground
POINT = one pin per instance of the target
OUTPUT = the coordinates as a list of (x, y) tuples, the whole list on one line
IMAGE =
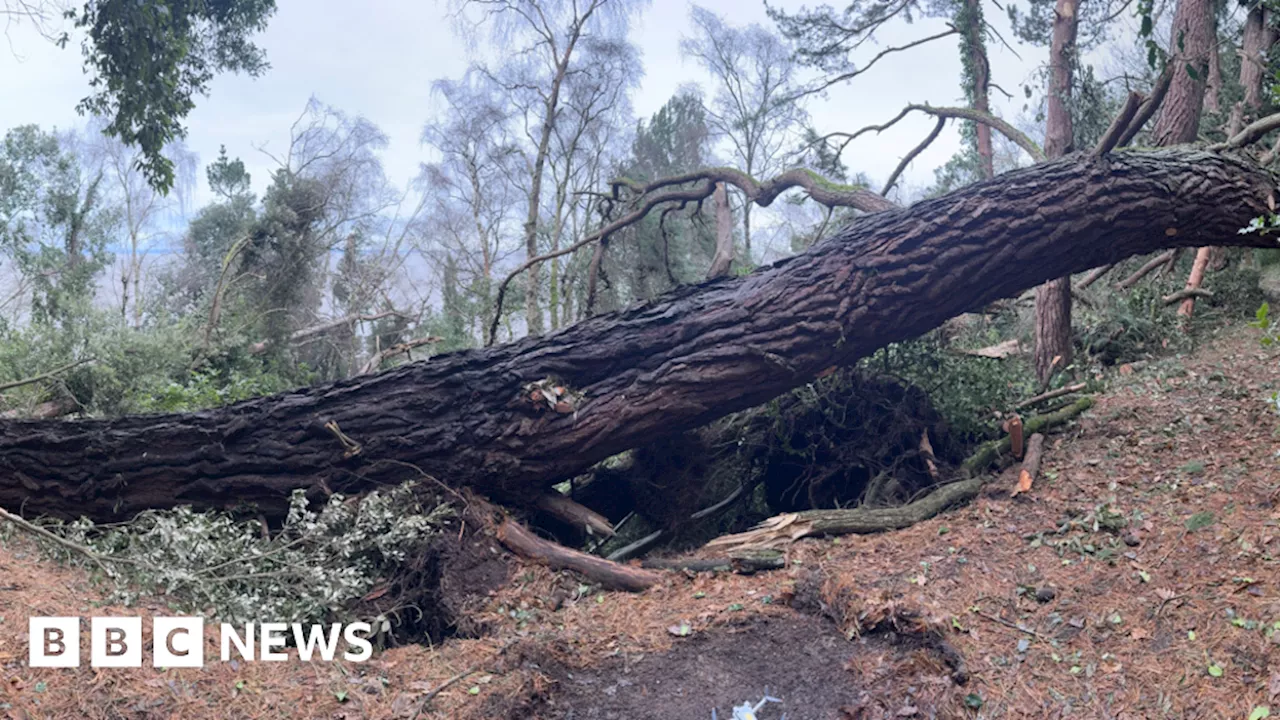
[(1135, 580)]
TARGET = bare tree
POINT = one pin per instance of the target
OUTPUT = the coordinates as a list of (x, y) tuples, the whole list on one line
[(142, 207), (755, 105), (472, 188), (541, 39)]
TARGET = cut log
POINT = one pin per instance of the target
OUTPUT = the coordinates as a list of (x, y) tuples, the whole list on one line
[(664, 367), (1030, 465)]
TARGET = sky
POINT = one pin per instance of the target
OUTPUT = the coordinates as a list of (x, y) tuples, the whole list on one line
[(378, 59)]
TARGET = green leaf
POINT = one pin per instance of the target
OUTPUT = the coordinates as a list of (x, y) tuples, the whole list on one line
[(341, 695), (473, 690), (1215, 670), (973, 701), (1260, 712)]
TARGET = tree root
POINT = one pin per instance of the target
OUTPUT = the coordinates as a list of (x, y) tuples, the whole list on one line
[(782, 530)]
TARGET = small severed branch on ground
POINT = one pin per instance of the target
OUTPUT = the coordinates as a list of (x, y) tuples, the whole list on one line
[(426, 699), (98, 558), (743, 561), (1185, 294), (1052, 394), (611, 575)]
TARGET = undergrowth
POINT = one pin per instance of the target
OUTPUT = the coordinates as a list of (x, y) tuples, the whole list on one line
[(312, 570)]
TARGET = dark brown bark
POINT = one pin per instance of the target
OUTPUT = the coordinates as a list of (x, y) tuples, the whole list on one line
[(1259, 36), (675, 363), (1190, 45), (1053, 299)]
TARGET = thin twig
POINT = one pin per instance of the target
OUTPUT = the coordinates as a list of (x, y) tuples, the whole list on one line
[(469, 671)]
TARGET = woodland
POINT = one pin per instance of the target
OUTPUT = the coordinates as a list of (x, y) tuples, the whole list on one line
[(591, 362)]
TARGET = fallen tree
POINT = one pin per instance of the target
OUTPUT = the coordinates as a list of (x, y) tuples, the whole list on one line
[(511, 420)]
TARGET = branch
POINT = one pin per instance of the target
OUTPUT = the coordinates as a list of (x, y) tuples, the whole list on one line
[(1018, 137), (906, 160), (1148, 108), (870, 63), (1050, 395), (611, 575), (1111, 138), (376, 361), (1142, 272), (1252, 133), (309, 332), (763, 194), (1185, 294), (44, 376)]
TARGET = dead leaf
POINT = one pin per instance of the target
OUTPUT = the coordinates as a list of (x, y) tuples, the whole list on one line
[(1273, 689), (1126, 369), (1139, 634)]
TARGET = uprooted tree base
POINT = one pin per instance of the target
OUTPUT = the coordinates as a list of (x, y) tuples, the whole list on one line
[(850, 438)]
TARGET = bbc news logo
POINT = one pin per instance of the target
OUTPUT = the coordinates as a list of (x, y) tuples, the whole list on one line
[(178, 642)]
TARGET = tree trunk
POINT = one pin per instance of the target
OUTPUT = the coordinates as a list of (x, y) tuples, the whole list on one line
[(723, 260), (473, 418), (975, 48), (1193, 282), (1191, 43), (1259, 36), (1053, 299)]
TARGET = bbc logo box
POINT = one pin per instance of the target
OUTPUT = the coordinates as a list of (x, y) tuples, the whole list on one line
[(115, 642), (178, 642)]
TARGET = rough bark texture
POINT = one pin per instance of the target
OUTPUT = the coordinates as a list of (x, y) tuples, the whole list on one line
[(468, 418), (1191, 43), (1259, 36), (1053, 299), (1179, 122)]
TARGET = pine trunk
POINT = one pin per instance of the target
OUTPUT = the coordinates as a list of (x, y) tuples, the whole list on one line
[(473, 419)]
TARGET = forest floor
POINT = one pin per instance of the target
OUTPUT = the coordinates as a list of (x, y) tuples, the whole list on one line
[(1135, 580)]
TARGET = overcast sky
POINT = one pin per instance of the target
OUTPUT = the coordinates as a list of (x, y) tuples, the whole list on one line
[(378, 58)]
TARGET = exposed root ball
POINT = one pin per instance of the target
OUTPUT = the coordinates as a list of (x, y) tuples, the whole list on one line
[(851, 439)]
